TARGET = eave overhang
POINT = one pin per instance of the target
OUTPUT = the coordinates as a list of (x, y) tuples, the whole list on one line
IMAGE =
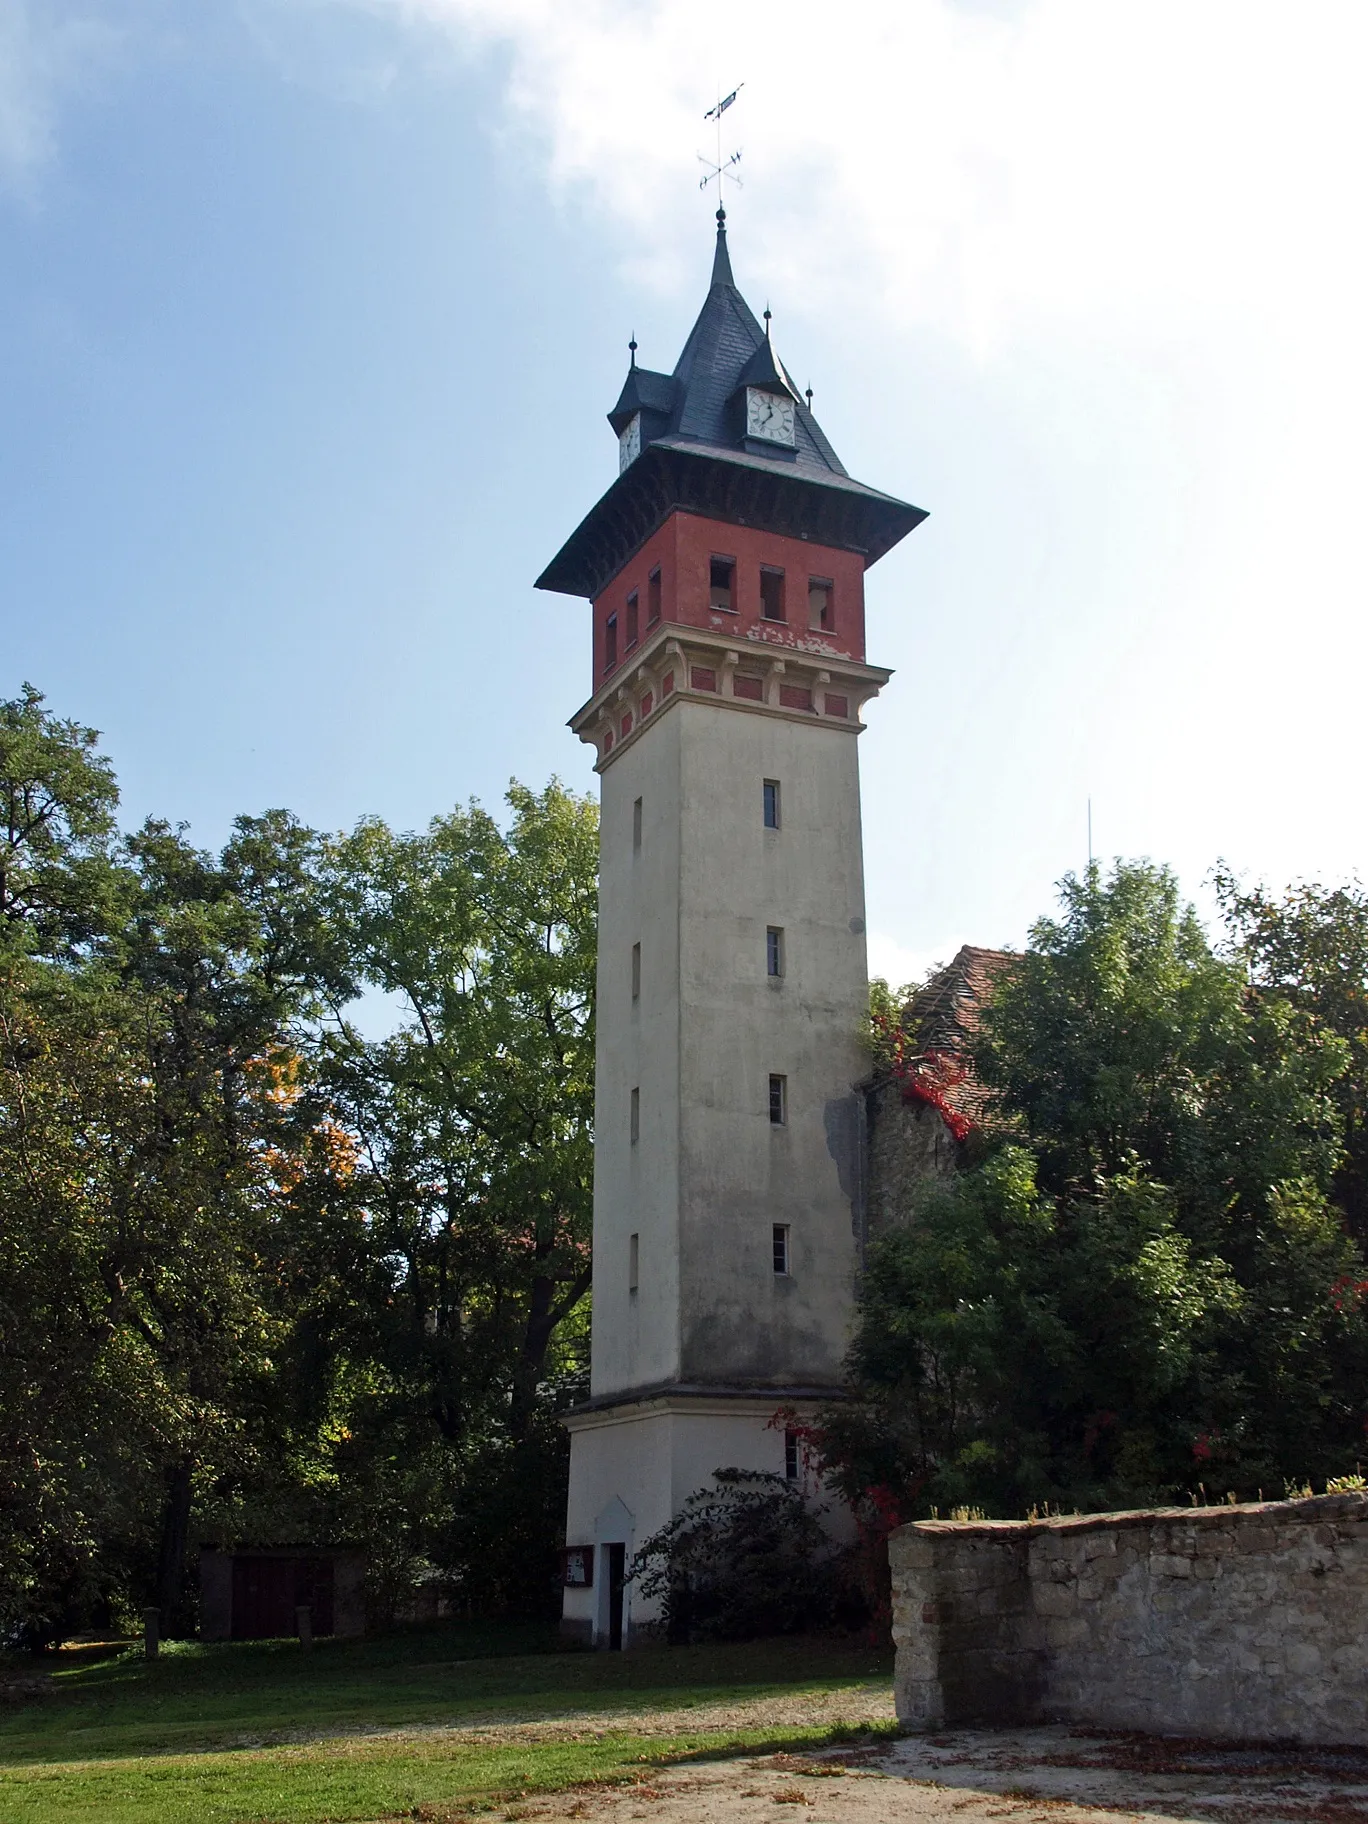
[(678, 475)]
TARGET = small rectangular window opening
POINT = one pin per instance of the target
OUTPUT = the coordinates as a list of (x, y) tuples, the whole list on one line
[(653, 597), (634, 1265), (781, 1248), (636, 1116), (636, 824), (774, 951), (610, 643), (771, 804), (778, 1101), (772, 593), (791, 1462), (820, 617), (632, 628), (636, 972), (721, 571)]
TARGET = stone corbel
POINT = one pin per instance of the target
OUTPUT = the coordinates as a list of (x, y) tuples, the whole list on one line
[(773, 675), (819, 692), (859, 695)]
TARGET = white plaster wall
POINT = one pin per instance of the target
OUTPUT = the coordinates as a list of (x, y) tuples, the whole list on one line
[(651, 1460), (738, 1173), (710, 1174), (636, 1336)]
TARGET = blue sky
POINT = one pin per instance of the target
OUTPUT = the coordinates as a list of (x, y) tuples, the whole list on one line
[(312, 310)]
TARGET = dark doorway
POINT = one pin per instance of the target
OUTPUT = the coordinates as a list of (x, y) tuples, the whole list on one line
[(617, 1577), (267, 1590)]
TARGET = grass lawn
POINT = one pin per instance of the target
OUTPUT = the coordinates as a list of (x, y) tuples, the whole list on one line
[(260, 1731)]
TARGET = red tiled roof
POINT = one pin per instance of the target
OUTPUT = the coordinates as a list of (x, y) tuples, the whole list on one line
[(942, 1018)]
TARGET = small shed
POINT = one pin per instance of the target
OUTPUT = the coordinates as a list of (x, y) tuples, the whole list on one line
[(256, 1592)]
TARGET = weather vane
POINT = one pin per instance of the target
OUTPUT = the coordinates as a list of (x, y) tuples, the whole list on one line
[(719, 169)]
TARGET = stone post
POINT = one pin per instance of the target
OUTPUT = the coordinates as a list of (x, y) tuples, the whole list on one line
[(151, 1632)]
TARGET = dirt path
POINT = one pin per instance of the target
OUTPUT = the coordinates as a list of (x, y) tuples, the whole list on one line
[(1038, 1776)]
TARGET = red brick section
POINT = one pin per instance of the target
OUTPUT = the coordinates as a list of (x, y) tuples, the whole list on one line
[(683, 548), (942, 1021)]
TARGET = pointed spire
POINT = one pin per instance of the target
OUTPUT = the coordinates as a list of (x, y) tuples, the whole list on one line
[(722, 272)]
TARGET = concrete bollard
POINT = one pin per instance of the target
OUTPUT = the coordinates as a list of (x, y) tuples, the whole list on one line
[(151, 1632), (304, 1625)]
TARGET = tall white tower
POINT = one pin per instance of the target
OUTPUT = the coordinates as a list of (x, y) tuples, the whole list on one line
[(726, 570)]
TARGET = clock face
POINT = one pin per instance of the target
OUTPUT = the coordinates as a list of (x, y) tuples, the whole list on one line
[(771, 416), (629, 444)]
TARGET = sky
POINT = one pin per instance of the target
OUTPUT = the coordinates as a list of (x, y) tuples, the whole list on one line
[(311, 311)]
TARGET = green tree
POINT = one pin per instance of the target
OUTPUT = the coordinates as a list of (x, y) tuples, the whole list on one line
[(1144, 1284), (473, 1175), (1309, 949), (258, 1275), (148, 994)]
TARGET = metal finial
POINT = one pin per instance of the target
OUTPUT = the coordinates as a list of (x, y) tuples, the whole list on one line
[(721, 218), (767, 321), (633, 346), (718, 170), (809, 398)]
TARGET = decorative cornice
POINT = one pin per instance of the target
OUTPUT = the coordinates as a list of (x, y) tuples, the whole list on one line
[(698, 1400), (675, 664)]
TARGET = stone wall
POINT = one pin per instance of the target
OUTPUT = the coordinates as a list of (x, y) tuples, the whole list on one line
[(1234, 1622), (907, 1144)]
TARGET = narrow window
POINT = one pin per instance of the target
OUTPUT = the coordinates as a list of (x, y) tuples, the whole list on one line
[(633, 1275), (636, 1116), (771, 804), (653, 597), (771, 593), (721, 571), (790, 1448), (636, 972), (610, 644), (781, 1248), (632, 628), (774, 951), (636, 824), (778, 1101), (820, 617)]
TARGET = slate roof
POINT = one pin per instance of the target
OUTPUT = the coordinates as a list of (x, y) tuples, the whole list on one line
[(943, 1018), (726, 349), (691, 413)]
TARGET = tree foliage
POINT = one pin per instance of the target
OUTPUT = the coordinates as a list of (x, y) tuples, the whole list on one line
[(745, 1558), (262, 1277), (1146, 1283)]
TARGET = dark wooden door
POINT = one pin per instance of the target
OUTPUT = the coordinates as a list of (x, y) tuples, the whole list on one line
[(268, 1590), (263, 1597), (617, 1577), (314, 1585)]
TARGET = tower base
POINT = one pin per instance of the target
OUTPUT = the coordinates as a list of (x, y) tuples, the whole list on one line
[(634, 1462)]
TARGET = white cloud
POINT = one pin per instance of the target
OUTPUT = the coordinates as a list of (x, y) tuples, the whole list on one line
[(43, 52), (1153, 168), (900, 966)]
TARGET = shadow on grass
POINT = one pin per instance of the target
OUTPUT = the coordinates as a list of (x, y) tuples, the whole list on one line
[(379, 1780)]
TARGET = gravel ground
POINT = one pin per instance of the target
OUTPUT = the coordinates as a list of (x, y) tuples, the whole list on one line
[(1036, 1776)]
